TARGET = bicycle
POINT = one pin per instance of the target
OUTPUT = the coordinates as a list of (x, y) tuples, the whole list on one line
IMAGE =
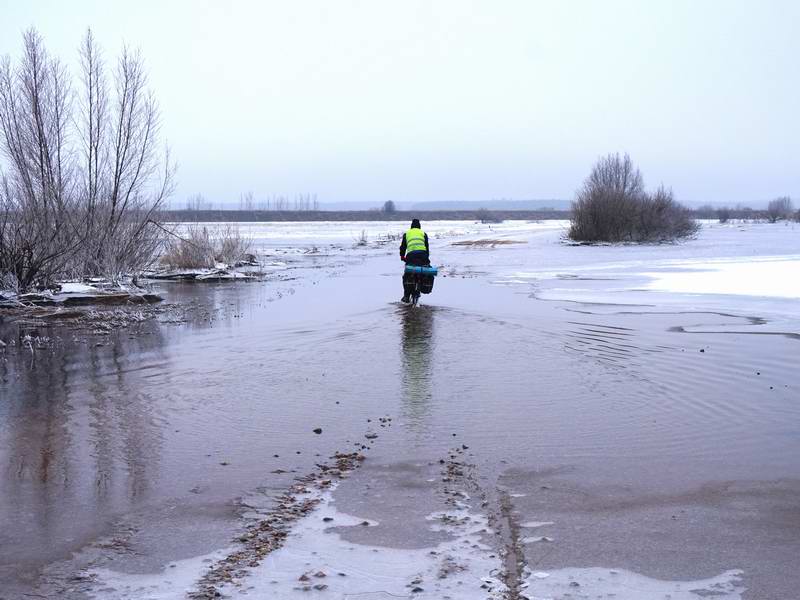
[(420, 281)]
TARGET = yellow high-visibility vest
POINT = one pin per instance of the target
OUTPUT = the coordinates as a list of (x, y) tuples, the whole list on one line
[(415, 240)]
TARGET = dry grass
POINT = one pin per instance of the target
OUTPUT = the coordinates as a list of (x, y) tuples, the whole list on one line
[(202, 247)]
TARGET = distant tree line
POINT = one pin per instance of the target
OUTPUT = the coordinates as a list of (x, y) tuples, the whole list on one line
[(779, 209), (249, 202), (230, 216)]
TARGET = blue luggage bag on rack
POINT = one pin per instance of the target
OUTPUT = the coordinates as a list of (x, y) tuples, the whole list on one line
[(427, 275)]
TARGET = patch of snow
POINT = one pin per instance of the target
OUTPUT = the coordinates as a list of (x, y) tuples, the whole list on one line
[(78, 288), (219, 275), (535, 524), (777, 277)]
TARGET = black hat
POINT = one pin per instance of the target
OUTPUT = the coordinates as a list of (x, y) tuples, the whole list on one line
[(415, 224)]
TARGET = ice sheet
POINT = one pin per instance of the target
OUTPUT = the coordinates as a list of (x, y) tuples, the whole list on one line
[(777, 277), (596, 583)]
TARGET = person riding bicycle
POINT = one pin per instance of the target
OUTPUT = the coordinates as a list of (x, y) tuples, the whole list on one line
[(414, 250)]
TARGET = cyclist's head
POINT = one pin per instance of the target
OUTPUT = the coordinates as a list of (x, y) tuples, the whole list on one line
[(415, 224)]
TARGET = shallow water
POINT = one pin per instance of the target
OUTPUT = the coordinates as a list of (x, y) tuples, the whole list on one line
[(603, 418)]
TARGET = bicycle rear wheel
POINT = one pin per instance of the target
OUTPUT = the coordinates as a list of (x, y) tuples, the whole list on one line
[(415, 294)]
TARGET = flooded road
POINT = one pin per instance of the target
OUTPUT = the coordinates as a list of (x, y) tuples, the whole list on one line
[(635, 448)]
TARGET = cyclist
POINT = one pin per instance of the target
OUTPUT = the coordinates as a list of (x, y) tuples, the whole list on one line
[(414, 250)]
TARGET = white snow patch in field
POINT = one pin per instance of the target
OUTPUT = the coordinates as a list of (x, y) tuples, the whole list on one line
[(773, 277), (597, 582)]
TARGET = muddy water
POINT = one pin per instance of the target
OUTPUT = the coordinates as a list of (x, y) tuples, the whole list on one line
[(662, 442)]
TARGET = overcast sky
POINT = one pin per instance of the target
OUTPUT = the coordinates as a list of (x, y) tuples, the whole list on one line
[(456, 100)]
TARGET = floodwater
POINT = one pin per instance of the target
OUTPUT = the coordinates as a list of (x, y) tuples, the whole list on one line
[(617, 437)]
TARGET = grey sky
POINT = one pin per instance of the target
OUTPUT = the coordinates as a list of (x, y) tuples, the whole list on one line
[(441, 100)]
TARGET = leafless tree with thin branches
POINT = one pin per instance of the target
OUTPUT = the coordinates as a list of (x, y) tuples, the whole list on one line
[(780, 208), (83, 179), (125, 177), (38, 227)]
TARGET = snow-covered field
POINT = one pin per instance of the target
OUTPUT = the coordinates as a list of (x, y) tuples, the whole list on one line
[(344, 233), (745, 265)]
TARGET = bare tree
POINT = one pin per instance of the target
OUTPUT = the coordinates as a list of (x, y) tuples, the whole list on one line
[(724, 214), (83, 184), (38, 229), (247, 201), (126, 177), (779, 208)]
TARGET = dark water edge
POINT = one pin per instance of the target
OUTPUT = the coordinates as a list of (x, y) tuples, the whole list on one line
[(610, 422)]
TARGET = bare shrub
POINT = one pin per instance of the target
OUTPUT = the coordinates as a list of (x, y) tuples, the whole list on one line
[(83, 180), (780, 208), (389, 207), (613, 206), (231, 247), (202, 247), (724, 214)]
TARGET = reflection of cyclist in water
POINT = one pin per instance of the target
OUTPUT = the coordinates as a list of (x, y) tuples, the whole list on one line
[(414, 250), (417, 347)]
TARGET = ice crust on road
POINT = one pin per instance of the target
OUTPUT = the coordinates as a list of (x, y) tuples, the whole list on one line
[(599, 583), (174, 582), (464, 568)]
